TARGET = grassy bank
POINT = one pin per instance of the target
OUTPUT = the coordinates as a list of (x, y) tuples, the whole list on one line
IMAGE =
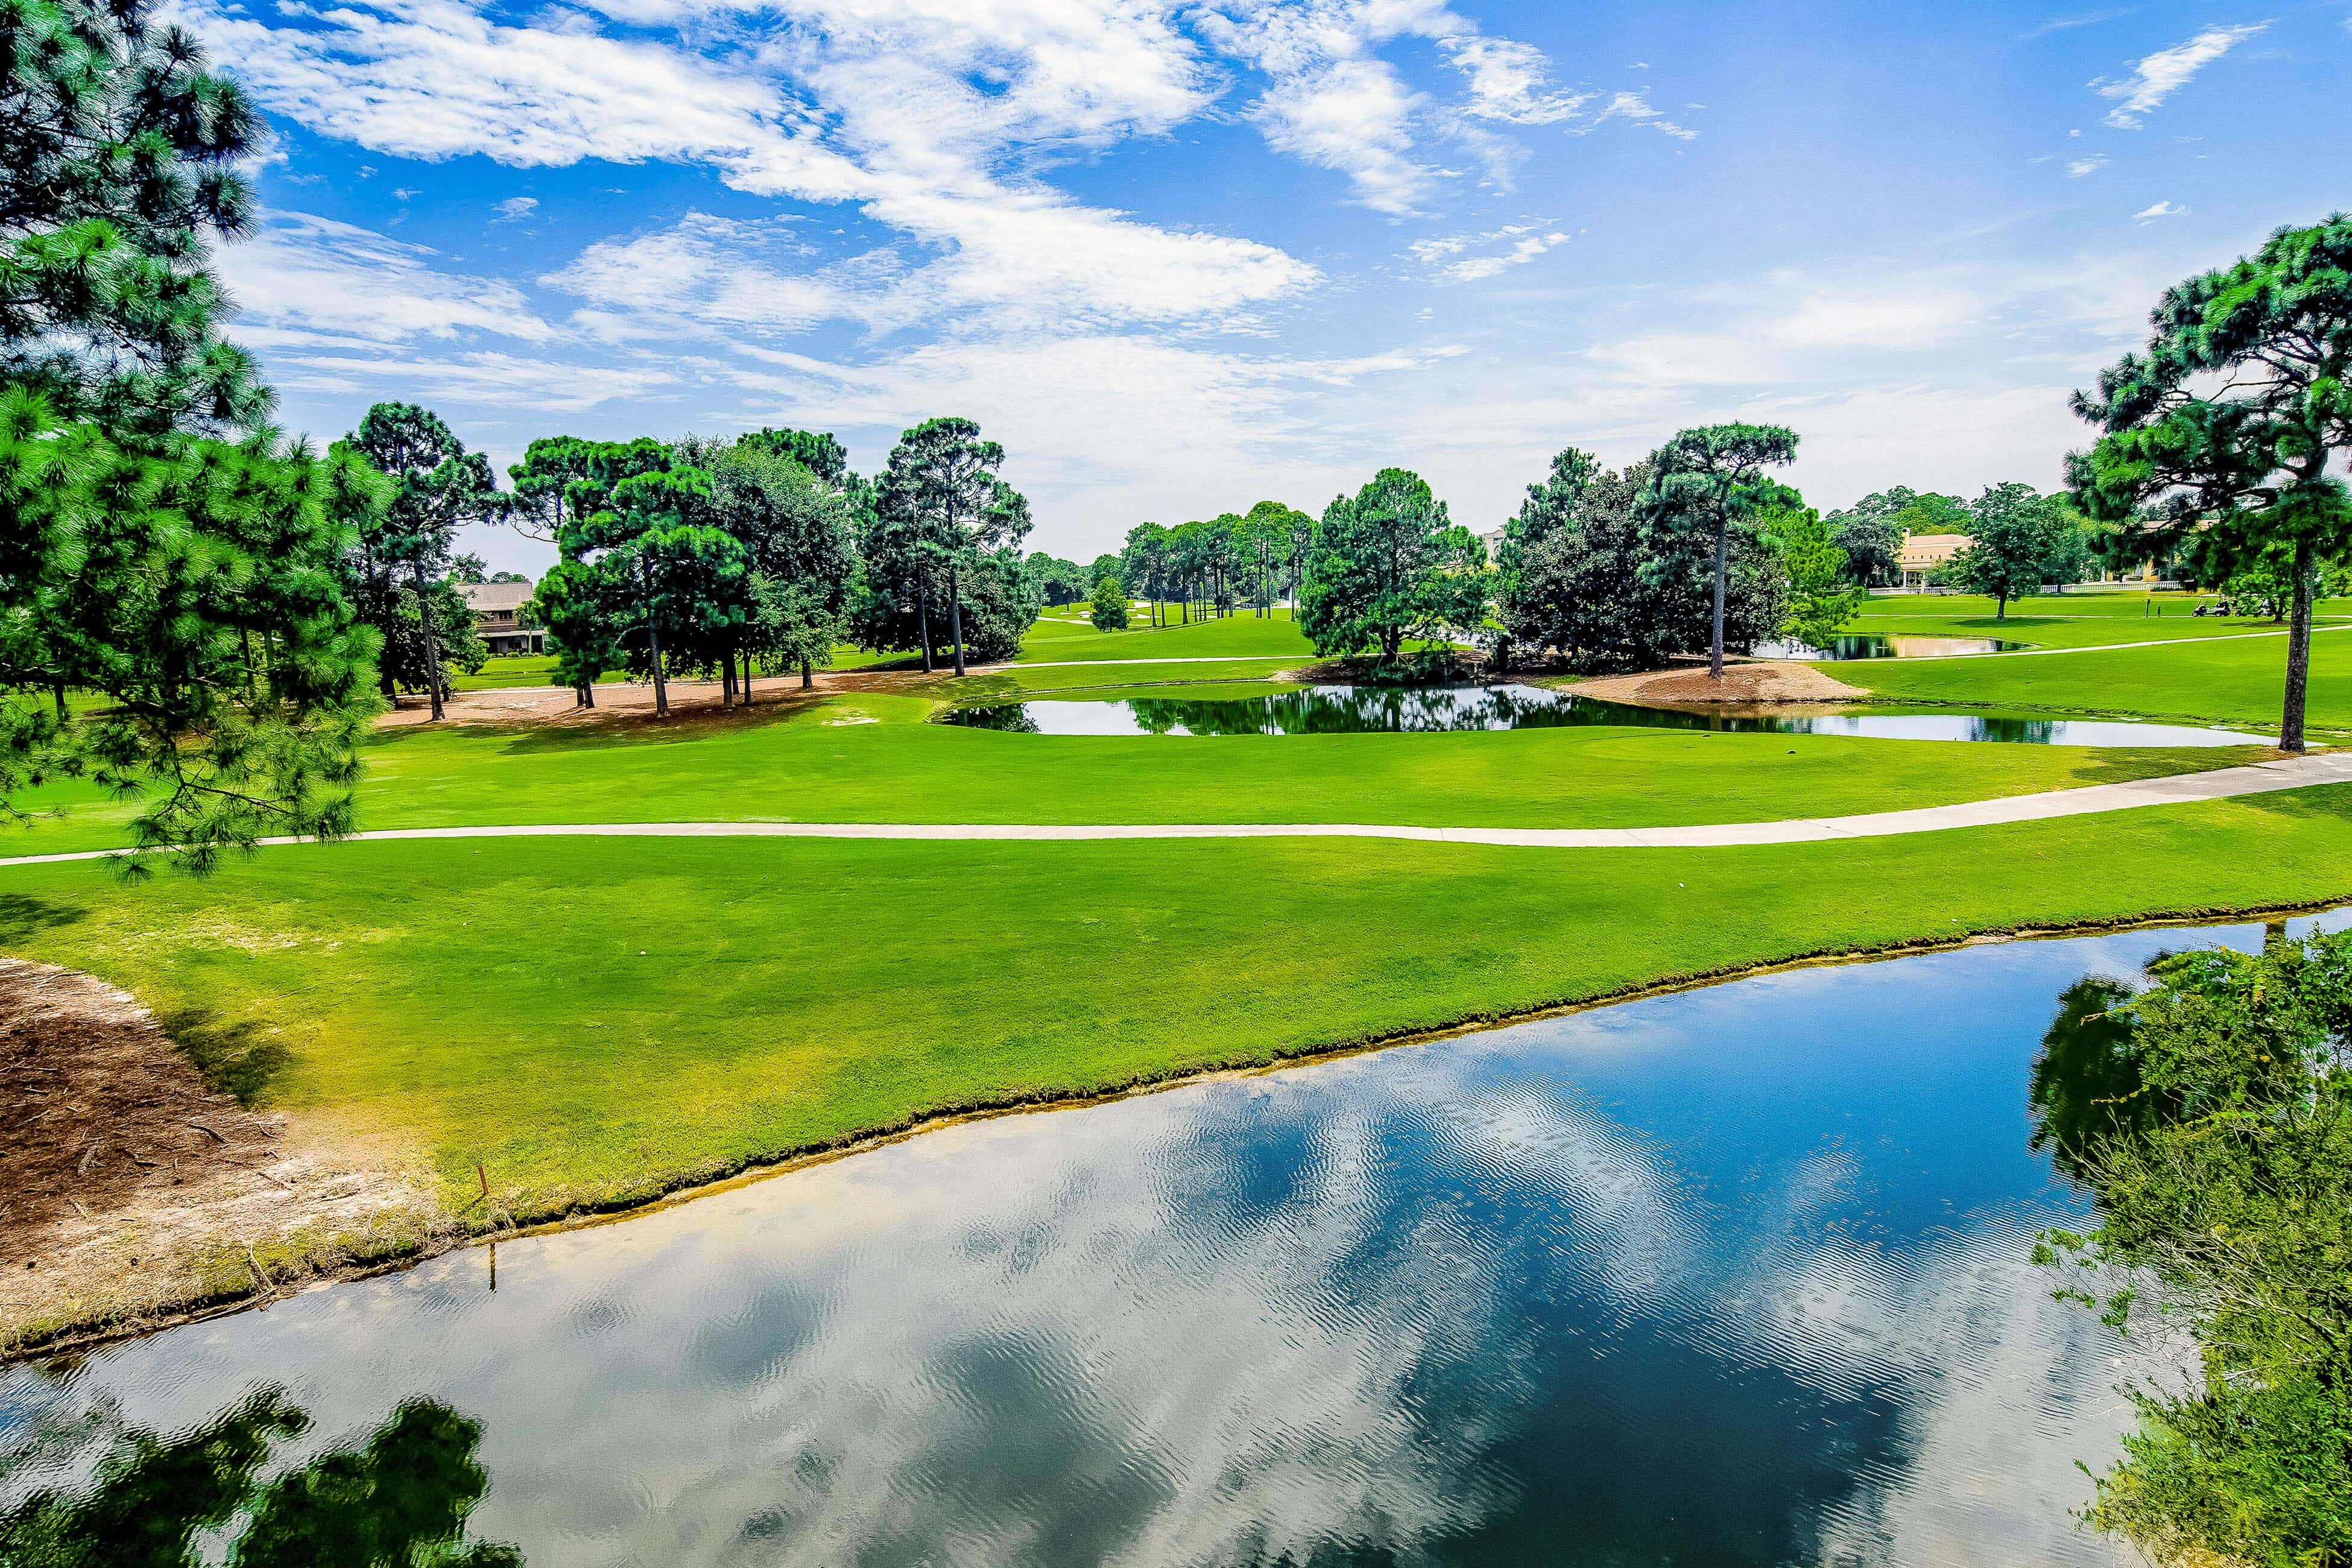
[(2236, 680), (868, 757), (596, 1022)]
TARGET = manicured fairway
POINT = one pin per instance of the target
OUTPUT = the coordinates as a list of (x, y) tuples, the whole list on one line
[(595, 1021), (2237, 680), (861, 757), (1244, 632)]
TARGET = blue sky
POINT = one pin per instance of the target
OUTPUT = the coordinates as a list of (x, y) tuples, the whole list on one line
[(1180, 258)]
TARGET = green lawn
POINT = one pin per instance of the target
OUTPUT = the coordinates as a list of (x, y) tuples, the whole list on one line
[(596, 1020), (2234, 681), (1277, 636), (868, 757)]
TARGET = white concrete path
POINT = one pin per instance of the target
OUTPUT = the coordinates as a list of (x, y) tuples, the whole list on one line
[(2221, 784)]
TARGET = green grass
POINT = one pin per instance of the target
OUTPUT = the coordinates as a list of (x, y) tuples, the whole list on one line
[(2238, 681), (1277, 636), (871, 757), (596, 1021)]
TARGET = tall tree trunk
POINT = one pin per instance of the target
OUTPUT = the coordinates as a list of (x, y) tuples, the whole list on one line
[(727, 679), (653, 646), (2298, 651), (955, 615), (57, 693), (1722, 565), (923, 615), (588, 694), (808, 675), (432, 644)]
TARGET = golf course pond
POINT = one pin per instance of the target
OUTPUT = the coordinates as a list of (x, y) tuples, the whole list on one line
[(1733, 1276), (1871, 645), (1415, 709)]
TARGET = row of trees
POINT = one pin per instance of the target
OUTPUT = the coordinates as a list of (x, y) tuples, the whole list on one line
[(1211, 567), (715, 558)]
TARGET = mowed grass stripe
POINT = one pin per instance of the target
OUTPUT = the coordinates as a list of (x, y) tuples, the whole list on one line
[(597, 1020)]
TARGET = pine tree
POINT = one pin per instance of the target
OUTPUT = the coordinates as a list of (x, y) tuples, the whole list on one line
[(162, 551)]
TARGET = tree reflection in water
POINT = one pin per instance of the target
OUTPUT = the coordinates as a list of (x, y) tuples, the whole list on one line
[(400, 1498)]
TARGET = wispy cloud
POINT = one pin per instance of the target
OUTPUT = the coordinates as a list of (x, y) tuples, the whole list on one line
[(2166, 71), (514, 209), (302, 278), (1636, 107), (1451, 259), (2090, 165), (2160, 210)]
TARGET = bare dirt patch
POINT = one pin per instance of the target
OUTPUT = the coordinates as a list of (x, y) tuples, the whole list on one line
[(130, 1190), (1765, 681), (623, 703)]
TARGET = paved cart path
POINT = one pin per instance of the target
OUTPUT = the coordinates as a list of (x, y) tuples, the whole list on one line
[(2221, 784)]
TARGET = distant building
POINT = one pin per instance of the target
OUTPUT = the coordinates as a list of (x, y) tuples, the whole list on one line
[(1493, 539), (497, 617), (1923, 553)]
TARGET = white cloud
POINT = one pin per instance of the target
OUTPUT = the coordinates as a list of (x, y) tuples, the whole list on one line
[(498, 380), (1505, 82), (302, 278), (2160, 210), (1335, 102), (1636, 107), (2166, 71), (894, 121), (1510, 245), (514, 209), (2081, 166)]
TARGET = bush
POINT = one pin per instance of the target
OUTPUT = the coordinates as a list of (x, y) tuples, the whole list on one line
[(1110, 614)]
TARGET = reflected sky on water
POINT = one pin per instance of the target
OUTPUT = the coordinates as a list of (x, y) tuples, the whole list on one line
[(1739, 1275), (1387, 710)]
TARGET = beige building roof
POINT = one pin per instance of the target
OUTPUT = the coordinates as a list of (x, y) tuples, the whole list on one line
[(482, 597)]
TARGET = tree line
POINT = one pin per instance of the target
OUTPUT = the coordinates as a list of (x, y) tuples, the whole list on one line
[(707, 558)]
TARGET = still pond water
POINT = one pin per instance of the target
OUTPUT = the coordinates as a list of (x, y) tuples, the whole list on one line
[(1733, 1276), (1871, 645), (1392, 710)]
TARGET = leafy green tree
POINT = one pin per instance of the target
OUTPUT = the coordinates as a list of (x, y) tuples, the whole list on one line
[(2226, 426), (1822, 595), (1387, 565), (1105, 565), (537, 505), (2211, 1116), (816, 450), (1266, 539), (1547, 510), (1109, 612), (1615, 587), (438, 486), (193, 589), (685, 583), (402, 1499), (1059, 582), (2012, 537), (941, 506), (161, 547), (2066, 555), (120, 158), (592, 609), (1870, 536), (797, 531), (1146, 564), (1712, 479)]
